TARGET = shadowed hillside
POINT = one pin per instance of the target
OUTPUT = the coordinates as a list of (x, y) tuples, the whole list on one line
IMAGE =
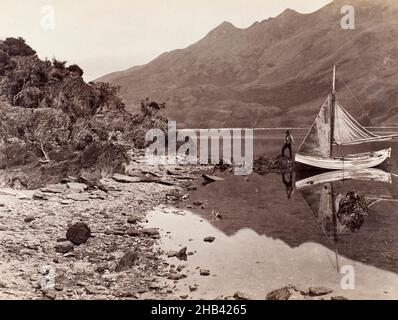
[(278, 72), (54, 125)]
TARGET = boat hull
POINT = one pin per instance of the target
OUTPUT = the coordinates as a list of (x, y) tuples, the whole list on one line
[(350, 162)]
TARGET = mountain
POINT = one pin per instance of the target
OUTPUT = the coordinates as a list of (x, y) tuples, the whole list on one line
[(277, 72)]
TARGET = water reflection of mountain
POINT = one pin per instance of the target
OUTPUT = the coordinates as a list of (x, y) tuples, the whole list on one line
[(261, 203)]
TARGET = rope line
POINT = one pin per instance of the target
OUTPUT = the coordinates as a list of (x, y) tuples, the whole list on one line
[(359, 102)]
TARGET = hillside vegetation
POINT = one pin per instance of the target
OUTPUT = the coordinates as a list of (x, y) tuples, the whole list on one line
[(54, 125)]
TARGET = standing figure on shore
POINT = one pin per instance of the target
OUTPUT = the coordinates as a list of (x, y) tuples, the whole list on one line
[(288, 144)]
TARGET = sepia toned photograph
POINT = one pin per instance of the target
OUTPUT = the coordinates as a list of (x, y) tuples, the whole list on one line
[(197, 150)]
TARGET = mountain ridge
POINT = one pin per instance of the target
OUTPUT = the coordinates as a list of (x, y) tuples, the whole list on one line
[(277, 72)]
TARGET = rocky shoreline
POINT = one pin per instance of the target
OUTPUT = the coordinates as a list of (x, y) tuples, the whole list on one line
[(119, 258), (76, 240)]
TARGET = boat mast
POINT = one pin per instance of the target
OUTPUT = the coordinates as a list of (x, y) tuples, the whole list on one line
[(332, 112), (334, 220)]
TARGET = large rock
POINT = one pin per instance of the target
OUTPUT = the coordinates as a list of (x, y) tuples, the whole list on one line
[(78, 233), (176, 276), (64, 247), (54, 188), (152, 232), (91, 180), (127, 261), (125, 179), (132, 232), (78, 197), (132, 220), (40, 196), (171, 254), (279, 294), (75, 187), (29, 219), (204, 272), (209, 239), (238, 295), (319, 291), (182, 254)]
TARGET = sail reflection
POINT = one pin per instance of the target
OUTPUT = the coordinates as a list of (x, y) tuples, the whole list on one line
[(340, 200), (329, 194), (260, 203)]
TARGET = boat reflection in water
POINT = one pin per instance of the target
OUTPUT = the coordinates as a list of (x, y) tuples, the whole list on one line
[(265, 241), (257, 209), (340, 200)]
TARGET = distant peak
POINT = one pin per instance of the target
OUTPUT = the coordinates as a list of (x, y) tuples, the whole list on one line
[(289, 12), (225, 26)]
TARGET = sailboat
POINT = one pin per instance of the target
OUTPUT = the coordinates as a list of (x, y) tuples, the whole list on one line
[(334, 126)]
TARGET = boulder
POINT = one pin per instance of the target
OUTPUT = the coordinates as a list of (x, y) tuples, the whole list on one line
[(171, 254), (150, 232), (78, 233), (127, 261), (29, 219), (75, 187), (40, 196), (176, 276), (319, 291), (101, 267), (238, 295), (204, 272), (125, 179), (182, 254), (279, 294), (78, 197), (132, 232), (64, 247), (209, 239), (132, 220), (54, 188), (91, 180)]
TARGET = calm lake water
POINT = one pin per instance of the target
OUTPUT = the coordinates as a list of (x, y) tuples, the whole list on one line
[(269, 237)]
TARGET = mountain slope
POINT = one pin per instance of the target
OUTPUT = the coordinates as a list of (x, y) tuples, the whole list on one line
[(278, 71)]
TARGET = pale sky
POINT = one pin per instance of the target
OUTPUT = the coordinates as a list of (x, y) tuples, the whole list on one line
[(104, 36)]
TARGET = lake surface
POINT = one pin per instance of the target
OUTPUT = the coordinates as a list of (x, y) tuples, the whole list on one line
[(269, 235)]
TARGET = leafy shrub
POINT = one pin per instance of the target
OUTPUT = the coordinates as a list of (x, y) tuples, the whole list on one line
[(76, 69), (16, 47), (59, 64)]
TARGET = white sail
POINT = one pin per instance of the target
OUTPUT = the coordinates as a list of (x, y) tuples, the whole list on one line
[(317, 141), (347, 131)]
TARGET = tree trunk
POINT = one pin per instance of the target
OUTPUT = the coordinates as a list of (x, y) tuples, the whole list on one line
[(44, 153)]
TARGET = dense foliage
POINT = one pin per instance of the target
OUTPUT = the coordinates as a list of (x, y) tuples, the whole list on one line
[(48, 113)]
